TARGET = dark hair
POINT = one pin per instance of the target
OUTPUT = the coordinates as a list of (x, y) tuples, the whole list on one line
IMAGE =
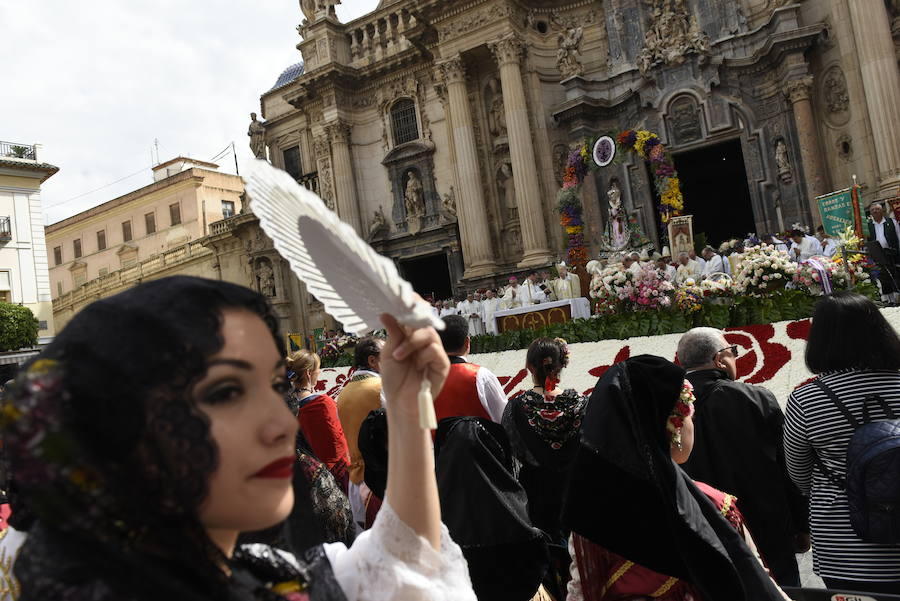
[(454, 335), (547, 357), (116, 386), (849, 332), (800, 233), (365, 348)]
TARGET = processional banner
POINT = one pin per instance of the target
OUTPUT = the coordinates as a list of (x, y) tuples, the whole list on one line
[(839, 210)]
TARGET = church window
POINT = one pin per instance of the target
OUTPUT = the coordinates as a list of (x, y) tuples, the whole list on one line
[(292, 161), (403, 121), (101, 240), (227, 209)]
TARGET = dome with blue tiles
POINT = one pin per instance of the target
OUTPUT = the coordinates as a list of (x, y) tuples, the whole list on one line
[(289, 75)]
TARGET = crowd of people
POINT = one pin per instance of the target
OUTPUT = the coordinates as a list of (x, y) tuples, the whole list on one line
[(206, 464)]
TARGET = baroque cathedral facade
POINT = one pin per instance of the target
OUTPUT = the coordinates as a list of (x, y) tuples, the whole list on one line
[(439, 129)]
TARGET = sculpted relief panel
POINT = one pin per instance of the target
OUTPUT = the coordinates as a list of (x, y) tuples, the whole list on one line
[(671, 35)]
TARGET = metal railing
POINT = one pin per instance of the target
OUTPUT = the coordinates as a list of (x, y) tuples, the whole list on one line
[(5, 228), (17, 151), (310, 181)]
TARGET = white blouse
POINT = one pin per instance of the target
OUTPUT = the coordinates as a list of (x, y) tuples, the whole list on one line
[(390, 561)]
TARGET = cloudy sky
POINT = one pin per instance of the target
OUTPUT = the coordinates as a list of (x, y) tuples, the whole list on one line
[(97, 82)]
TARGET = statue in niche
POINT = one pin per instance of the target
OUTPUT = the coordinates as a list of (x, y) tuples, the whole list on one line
[(496, 110), (414, 196), (265, 278), (379, 225), (257, 133), (568, 57), (507, 188), (785, 171), (448, 206)]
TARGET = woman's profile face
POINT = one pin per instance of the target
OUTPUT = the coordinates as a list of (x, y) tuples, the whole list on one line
[(242, 394)]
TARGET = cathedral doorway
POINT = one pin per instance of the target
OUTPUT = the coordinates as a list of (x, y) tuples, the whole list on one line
[(714, 184), (429, 275)]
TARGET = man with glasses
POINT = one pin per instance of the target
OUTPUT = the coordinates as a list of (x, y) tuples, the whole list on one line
[(738, 449)]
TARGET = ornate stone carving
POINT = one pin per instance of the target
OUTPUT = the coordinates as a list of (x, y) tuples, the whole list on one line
[(448, 206), (799, 89), (685, 119), (379, 225), (326, 185), (265, 278), (321, 146), (834, 90), (257, 135), (671, 35), (471, 20), (453, 70), (783, 162), (509, 49), (568, 54), (339, 132), (495, 109)]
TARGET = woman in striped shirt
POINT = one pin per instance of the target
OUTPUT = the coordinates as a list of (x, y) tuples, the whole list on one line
[(856, 354)]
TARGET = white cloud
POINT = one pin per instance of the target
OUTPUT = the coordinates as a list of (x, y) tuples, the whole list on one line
[(97, 83)]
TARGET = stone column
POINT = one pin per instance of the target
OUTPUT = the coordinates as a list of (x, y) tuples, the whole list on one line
[(508, 52), (470, 209), (344, 183), (799, 91), (881, 82)]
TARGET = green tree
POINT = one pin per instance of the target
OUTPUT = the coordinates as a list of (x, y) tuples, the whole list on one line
[(18, 327)]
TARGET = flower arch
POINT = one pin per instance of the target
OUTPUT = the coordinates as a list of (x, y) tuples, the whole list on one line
[(646, 145)]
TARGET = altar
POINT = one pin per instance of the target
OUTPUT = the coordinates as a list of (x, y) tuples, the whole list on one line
[(534, 317)]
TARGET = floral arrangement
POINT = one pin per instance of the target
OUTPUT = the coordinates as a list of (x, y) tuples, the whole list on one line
[(810, 277), (650, 148), (569, 204), (615, 288), (684, 408), (719, 287), (730, 246), (763, 269), (689, 298)]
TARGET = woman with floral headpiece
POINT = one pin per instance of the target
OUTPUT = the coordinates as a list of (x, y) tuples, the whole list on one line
[(144, 467), (641, 528), (543, 425)]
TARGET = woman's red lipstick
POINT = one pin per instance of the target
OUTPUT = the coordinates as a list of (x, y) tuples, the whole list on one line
[(280, 468)]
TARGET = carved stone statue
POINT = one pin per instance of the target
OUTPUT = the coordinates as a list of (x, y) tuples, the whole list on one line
[(507, 188), (448, 206), (257, 135), (266, 278), (785, 171), (379, 225), (312, 9), (496, 110), (568, 57), (414, 196), (671, 35)]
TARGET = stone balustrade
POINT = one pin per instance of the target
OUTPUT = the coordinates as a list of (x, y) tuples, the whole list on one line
[(130, 276), (379, 35)]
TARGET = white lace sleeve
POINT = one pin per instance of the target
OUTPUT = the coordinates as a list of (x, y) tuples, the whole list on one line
[(574, 587), (391, 561)]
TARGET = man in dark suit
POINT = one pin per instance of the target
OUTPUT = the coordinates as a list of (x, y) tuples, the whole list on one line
[(738, 449), (884, 247)]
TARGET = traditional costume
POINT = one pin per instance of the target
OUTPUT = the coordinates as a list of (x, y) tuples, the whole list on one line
[(627, 495), (486, 510), (470, 390), (318, 418)]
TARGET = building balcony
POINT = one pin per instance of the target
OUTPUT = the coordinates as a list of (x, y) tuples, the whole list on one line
[(15, 150), (310, 181)]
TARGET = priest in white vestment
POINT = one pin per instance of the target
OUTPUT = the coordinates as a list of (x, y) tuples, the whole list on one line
[(489, 306), (568, 285), (687, 269), (546, 285), (512, 298), (472, 312), (448, 309), (804, 246), (714, 263), (531, 291)]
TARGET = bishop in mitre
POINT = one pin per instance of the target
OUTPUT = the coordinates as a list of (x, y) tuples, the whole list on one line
[(567, 285)]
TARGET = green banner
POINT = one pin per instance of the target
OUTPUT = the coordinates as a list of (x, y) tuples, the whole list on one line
[(836, 210)]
